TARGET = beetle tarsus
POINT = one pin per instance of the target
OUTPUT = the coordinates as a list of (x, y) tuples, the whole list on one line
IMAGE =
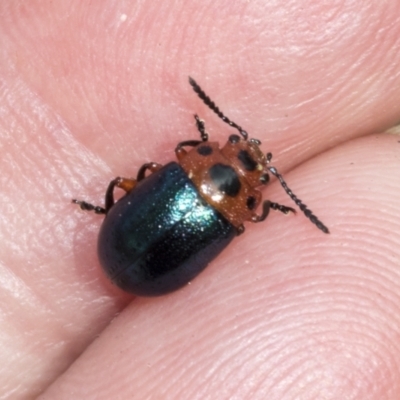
[(282, 209), (89, 207)]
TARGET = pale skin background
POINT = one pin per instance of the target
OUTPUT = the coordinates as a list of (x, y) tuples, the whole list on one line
[(92, 90)]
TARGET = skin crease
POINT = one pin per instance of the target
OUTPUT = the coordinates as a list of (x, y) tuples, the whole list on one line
[(92, 90)]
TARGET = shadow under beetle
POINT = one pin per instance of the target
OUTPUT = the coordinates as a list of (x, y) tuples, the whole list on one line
[(172, 223)]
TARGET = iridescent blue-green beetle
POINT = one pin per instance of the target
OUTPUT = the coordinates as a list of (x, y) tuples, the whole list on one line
[(172, 223)]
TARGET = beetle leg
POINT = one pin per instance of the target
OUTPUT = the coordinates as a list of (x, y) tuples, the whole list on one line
[(181, 152), (201, 128), (264, 214), (153, 167), (126, 184), (267, 205), (89, 207), (240, 229), (122, 183), (281, 208)]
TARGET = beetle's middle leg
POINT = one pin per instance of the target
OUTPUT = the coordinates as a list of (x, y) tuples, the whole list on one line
[(122, 183), (128, 184), (152, 167), (89, 207), (125, 184)]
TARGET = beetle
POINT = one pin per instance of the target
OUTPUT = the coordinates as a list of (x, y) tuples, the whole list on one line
[(173, 222)]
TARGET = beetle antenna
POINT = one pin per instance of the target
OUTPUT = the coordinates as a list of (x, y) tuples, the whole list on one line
[(308, 213), (207, 101)]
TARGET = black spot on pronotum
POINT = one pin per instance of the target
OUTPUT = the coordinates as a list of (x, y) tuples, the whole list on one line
[(246, 160), (204, 150), (225, 179)]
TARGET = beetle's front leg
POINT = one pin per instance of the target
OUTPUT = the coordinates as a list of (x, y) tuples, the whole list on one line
[(179, 149), (201, 128), (264, 214), (267, 205), (281, 208), (180, 152)]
